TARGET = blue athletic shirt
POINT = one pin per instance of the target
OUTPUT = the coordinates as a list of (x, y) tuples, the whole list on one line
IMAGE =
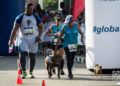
[(56, 29), (70, 35)]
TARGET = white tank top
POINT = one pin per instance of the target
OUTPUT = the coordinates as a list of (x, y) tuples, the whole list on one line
[(28, 27)]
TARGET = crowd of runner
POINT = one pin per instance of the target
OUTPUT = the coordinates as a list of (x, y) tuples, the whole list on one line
[(36, 30)]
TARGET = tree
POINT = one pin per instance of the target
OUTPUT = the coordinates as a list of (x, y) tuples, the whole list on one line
[(50, 4)]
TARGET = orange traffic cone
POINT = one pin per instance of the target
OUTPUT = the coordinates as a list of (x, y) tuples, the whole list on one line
[(43, 83), (19, 71), (19, 79)]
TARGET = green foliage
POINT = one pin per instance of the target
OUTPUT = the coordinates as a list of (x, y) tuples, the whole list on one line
[(50, 4)]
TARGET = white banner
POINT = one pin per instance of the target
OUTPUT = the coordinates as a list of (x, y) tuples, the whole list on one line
[(102, 33)]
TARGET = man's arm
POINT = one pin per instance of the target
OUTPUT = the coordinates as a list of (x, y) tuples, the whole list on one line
[(13, 34), (82, 35), (40, 31)]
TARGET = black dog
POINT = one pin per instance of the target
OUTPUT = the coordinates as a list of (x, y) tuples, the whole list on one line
[(53, 61)]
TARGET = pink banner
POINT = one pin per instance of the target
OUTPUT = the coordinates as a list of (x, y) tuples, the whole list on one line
[(78, 6)]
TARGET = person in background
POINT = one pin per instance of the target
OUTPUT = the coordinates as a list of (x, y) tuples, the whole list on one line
[(81, 22), (41, 13), (45, 39), (37, 10), (26, 24), (64, 11), (70, 34)]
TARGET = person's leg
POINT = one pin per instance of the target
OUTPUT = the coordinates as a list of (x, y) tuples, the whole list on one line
[(72, 58), (22, 56), (70, 64), (22, 59), (68, 60), (32, 48), (32, 61), (23, 50), (18, 59), (32, 64)]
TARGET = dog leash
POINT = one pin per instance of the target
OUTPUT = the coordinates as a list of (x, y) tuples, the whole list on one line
[(87, 52)]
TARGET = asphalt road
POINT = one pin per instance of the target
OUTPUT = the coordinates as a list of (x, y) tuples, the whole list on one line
[(82, 77)]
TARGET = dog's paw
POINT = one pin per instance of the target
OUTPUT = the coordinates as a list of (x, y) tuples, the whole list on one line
[(58, 76), (49, 77), (54, 72)]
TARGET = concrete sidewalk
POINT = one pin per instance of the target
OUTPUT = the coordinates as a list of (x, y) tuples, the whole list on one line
[(82, 77)]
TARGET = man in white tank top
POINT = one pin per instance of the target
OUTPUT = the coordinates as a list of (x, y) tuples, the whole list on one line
[(26, 24)]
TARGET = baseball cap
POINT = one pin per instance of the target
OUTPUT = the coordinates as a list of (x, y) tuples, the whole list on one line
[(68, 19)]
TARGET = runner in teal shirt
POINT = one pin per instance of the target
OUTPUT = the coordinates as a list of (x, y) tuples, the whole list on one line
[(70, 34)]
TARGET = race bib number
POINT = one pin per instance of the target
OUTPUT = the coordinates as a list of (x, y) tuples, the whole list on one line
[(72, 47), (28, 31)]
